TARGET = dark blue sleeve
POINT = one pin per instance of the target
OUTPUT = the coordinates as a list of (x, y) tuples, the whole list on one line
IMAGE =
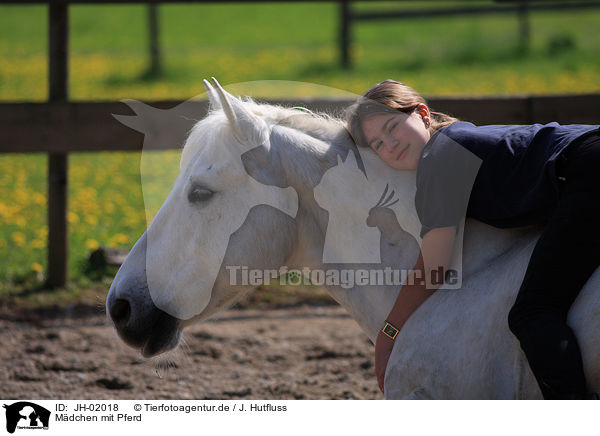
[(445, 177)]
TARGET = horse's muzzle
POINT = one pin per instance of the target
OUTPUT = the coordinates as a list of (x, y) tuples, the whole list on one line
[(139, 323)]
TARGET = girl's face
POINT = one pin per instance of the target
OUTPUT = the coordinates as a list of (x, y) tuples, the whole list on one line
[(398, 138)]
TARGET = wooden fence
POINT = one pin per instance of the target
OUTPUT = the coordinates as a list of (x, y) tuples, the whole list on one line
[(521, 8), (59, 127), (63, 127)]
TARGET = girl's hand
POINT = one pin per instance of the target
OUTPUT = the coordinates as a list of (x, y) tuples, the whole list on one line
[(383, 349)]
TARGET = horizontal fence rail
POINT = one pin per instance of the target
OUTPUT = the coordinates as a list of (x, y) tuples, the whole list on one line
[(89, 126), (510, 7)]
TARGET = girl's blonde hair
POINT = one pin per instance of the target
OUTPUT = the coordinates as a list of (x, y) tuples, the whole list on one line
[(388, 96)]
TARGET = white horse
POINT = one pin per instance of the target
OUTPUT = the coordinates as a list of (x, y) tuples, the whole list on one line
[(456, 345)]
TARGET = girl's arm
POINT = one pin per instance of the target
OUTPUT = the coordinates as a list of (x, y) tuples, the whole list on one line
[(436, 251)]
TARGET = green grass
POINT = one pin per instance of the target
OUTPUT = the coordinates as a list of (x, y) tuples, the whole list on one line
[(238, 43), (241, 43)]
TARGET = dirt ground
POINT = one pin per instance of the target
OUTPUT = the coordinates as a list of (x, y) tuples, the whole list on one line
[(303, 352)]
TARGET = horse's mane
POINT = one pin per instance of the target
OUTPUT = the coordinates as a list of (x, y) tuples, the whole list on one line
[(320, 125), (214, 126)]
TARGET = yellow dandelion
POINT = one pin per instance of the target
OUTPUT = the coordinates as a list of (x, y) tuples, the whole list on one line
[(36, 267), (120, 238), (91, 220), (92, 244), (39, 199), (72, 218), (38, 244), (42, 232), (18, 238), (20, 195)]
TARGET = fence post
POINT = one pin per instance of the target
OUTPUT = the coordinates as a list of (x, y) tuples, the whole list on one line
[(524, 31), (345, 34), (58, 69), (155, 68)]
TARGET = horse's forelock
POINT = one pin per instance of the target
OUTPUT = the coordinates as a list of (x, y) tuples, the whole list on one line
[(213, 129)]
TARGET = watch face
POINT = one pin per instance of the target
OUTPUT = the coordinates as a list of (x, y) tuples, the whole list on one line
[(390, 331)]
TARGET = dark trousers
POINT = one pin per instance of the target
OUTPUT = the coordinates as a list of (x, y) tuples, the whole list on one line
[(565, 256)]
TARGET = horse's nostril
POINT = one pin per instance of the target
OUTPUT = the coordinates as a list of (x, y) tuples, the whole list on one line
[(120, 311)]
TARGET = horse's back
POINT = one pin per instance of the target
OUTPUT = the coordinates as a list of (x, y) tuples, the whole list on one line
[(458, 344)]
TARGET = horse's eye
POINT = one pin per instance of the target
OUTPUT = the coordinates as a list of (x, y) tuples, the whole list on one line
[(197, 194)]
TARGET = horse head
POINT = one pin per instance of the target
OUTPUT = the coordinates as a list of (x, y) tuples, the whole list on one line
[(218, 217)]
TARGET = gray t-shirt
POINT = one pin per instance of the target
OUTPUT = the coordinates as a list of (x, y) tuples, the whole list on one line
[(445, 176)]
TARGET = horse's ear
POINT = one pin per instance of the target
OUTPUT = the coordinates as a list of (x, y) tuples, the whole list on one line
[(213, 98), (248, 128)]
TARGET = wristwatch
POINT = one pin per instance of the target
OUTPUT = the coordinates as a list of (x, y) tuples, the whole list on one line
[(389, 330)]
